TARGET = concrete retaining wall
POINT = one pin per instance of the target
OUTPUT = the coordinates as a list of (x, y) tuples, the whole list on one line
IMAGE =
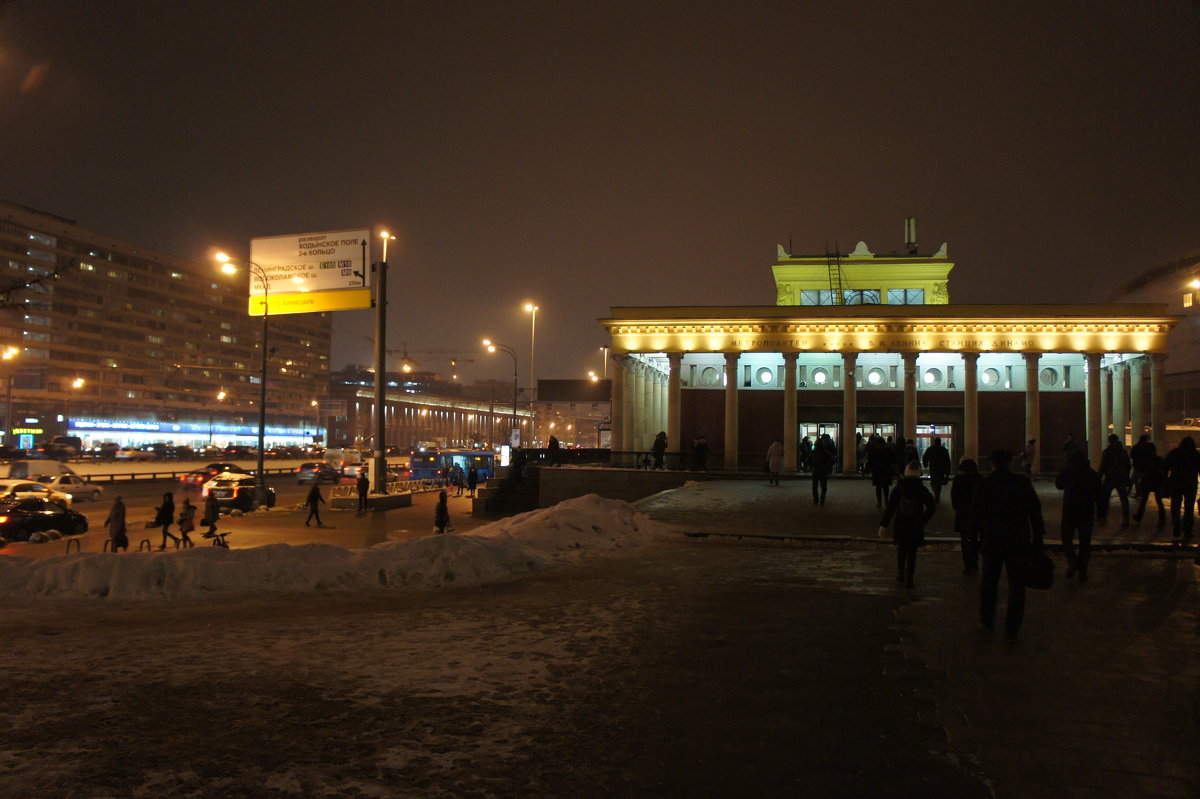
[(557, 485)]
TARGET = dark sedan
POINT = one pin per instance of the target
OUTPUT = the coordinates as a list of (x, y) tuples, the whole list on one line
[(198, 477), (22, 518)]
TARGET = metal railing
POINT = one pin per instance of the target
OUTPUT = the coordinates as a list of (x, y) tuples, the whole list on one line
[(397, 487)]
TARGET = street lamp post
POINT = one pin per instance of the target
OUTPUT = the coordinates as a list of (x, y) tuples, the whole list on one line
[(260, 483), (8, 355), (492, 347), (379, 465), (76, 384), (604, 361), (220, 397), (532, 309)]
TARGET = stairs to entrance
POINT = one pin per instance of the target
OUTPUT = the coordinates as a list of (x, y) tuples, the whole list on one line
[(507, 495)]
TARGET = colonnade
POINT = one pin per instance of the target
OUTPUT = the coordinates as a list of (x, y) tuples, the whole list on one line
[(646, 400)]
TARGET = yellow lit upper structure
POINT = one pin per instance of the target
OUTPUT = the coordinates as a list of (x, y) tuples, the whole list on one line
[(862, 278)]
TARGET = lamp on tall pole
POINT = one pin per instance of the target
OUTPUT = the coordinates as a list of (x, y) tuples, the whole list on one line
[(379, 463), (532, 309), (227, 266), (76, 384), (220, 398), (492, 347), (7, 356)]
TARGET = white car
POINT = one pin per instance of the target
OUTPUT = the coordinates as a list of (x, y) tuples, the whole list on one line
[(71, 484), (20, 489)]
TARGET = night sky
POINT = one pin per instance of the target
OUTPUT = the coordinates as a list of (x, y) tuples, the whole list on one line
[(586, 155)]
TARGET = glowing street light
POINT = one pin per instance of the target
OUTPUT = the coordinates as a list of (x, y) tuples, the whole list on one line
[(8, 355), (229, 268), (493, 347)]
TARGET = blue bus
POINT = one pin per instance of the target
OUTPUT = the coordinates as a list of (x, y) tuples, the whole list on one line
[(435, 464)]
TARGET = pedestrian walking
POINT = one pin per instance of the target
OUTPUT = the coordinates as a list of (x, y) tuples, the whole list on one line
[(187, 522), (441, 514), (860, 454), (774, 461), (1151, 472), (937, 460), (806, 448), (164, 517), (117, 532), (1114, 472), (1081, 489), (212, 513), (910, 506), (881, 463), (472, 481), (363, 485), (1027, 456), (1140, 455), (819, 464), (1006, 517), (700, 451), (962, 489), (659, 448), (1182, 465), (314, 501)]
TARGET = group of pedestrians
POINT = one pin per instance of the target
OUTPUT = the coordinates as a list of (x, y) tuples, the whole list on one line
[(164, 517)]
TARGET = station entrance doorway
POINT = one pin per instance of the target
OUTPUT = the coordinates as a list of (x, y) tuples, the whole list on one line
[(927, 432)]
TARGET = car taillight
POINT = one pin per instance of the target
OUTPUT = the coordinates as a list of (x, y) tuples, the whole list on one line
[(3, 519)]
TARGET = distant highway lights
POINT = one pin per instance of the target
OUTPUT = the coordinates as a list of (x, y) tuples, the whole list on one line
[(229, 268), (493, 347)]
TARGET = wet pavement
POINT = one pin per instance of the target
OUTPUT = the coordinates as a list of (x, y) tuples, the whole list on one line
[(763, 665)]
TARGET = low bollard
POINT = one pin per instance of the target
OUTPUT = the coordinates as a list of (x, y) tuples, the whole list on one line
[(75, 541), (145, 546)]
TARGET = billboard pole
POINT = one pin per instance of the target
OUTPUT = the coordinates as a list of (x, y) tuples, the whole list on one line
[(379, 464)]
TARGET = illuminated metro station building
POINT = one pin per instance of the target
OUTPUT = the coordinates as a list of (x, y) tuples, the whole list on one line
[(860, 343)]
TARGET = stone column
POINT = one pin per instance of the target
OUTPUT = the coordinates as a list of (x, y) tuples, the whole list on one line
[(971, 405), (1095, 432), (616, 408), (1137, 398), (910, 396), (731, 410), (1105, 402), (675, 404), (656, 400), (789, 412), (1120, 415), (647, 415), (1033, 408), (631, 409), (1158, 400), (849, 411)]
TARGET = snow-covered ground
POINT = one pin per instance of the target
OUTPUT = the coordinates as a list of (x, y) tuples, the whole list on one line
[(573, 530)]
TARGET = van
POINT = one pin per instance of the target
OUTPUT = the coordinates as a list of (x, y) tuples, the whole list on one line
[(344, 459)]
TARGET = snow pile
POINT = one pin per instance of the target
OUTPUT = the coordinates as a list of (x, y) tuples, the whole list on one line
[(579, 528)]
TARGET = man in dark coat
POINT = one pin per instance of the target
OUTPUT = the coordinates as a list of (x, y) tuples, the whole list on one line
[(1182, 465), (911, 505), (881, 463), (1151, 471), (363, 485), (961, 492), (1141, 455), (1114, 474), (1006, 516), (313, 502), (937, 461), (1080, 485), (820, 462)]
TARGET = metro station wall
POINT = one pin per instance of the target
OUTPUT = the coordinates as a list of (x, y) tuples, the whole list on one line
[(1001, 418)]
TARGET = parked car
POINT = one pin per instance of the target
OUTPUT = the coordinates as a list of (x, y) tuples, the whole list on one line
[(71, 484), (21, 518), (235, 490), (59, 448), (317, 472), (135, 454), (21, 489)]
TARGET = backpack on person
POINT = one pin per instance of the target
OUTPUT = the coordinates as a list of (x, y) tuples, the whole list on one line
[(910, 508)]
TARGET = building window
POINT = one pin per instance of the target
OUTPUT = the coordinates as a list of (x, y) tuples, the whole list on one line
[(1187, 300), (932, 377), (906, 296), (991, 377), (1048, 377), (876, 377), (764, 377), (86, 267), (820, 377), (861, 296), (816, 297)]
